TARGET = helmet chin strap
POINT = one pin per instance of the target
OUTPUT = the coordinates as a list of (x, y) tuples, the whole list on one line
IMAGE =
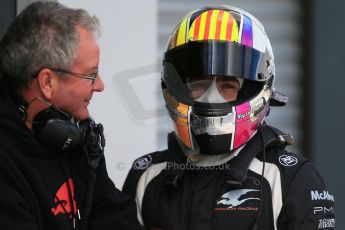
[(211, 95)]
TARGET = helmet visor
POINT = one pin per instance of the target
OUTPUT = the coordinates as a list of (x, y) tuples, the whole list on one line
[(218, 58), (211, 67)]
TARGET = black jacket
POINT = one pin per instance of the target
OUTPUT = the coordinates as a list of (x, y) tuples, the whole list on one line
[(42, 189), (173, 193)]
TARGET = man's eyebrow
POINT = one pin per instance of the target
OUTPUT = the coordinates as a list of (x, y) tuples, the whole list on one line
[(92, 70)]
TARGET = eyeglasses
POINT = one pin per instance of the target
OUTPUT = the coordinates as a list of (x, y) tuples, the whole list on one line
[(91, 76)]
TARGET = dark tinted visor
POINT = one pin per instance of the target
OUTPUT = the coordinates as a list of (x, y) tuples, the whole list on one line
[(216, 58)]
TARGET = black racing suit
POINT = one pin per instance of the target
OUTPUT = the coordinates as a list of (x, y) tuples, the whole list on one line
[(233, 192)]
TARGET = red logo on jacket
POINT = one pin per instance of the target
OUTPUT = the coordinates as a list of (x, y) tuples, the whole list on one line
[(63, 201)]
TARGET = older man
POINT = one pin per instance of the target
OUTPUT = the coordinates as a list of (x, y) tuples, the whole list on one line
[(52, 169)]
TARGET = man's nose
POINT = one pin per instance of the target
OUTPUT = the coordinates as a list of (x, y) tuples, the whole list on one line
[(98, 85)]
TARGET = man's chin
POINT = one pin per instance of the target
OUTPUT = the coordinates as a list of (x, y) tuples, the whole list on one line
[(81, 116)]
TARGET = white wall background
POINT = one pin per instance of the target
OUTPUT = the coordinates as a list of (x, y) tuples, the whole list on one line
[(128, 69)]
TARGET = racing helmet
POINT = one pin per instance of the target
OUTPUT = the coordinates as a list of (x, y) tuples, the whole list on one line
[(208, 47)]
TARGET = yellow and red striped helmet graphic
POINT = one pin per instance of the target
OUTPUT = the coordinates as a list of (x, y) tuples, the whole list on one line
[(214, 24)]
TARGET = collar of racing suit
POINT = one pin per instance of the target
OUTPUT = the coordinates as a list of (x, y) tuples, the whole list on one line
[(237, 165)]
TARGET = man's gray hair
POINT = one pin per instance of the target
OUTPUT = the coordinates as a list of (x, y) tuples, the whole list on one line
[(43, 35)]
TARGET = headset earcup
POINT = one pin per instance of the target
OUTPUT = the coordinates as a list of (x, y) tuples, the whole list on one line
[(54, 129)]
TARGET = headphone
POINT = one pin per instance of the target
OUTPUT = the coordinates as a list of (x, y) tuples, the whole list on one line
[(56, 129)]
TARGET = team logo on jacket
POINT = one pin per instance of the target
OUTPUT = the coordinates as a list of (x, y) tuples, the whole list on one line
[(321, 195), (234, 200), (323, 210), (142, 163), (63, 201), (326, 223), (286, 160)]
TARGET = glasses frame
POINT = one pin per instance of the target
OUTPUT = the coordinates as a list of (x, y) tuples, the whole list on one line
[(91, 76)]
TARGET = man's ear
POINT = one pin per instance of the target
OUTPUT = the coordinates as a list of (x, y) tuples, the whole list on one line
[(47, 82)]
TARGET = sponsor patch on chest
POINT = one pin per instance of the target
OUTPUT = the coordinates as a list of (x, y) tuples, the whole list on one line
[(238, 200)]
